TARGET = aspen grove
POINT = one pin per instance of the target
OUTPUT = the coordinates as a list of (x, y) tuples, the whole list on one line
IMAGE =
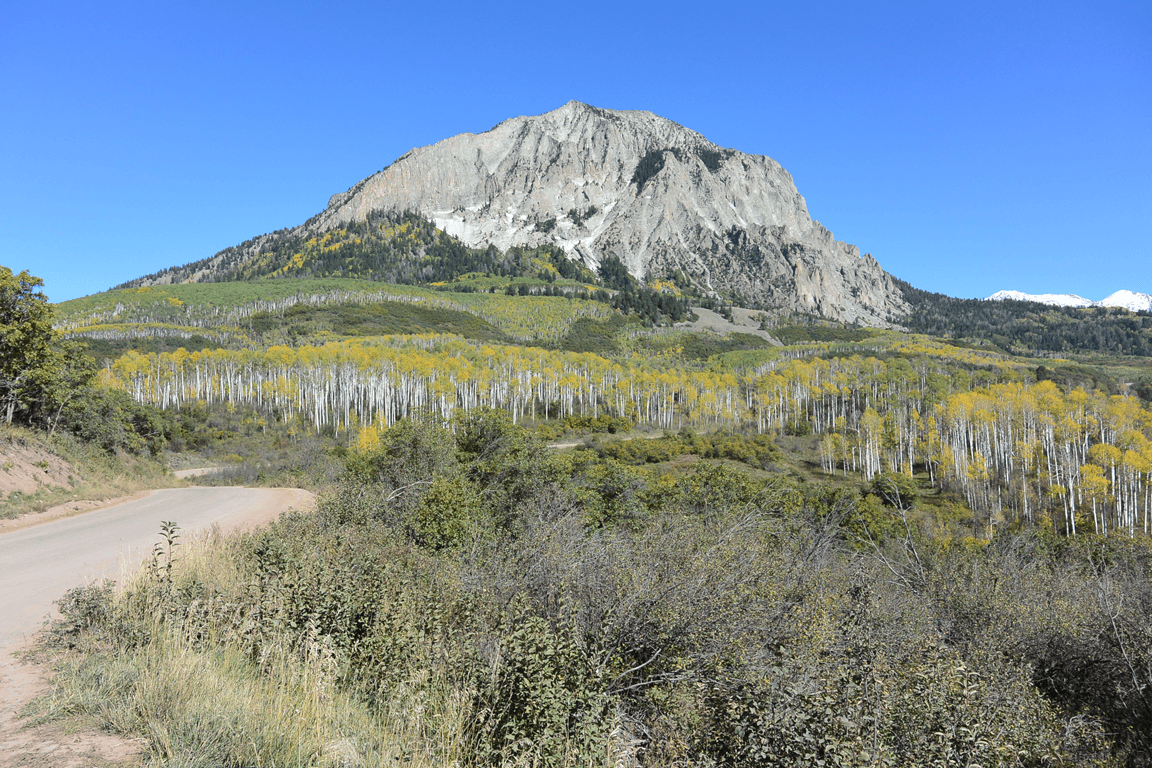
[(1016, 450)]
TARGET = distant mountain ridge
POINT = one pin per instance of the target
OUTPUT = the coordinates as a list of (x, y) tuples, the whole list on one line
[(1125, 299), (599, 183)]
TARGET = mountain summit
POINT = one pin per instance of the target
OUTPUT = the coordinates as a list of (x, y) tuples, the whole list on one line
[(598, 183), (1125, 299)]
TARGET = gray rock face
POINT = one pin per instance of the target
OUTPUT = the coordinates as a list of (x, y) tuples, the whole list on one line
[(660, 197), (599, 182)]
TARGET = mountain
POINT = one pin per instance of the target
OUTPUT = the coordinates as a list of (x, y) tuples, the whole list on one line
[(1125, 299), (1128, 300), (1051, 299), (1017, 323), (599, 183)]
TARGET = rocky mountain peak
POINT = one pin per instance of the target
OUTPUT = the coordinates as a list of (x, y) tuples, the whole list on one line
[(599, 182), (659, 196)]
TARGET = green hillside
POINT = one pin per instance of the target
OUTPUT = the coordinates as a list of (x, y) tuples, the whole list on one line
[(261, 313)]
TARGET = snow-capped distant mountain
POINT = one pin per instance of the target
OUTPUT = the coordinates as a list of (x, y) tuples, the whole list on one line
[(1126, 299), (1054, 299), (1129, 300)]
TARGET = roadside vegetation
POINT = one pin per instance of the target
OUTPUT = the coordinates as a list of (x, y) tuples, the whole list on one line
[(38, 471), (466, 597), (63, 437)]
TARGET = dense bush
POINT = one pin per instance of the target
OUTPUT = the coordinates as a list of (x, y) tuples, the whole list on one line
[(602, 423), (758, 451), (894, 489), (111, 419)]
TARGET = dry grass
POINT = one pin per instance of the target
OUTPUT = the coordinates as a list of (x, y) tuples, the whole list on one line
[(204, 702)]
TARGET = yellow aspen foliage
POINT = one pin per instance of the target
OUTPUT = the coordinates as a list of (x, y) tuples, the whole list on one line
[(367, 439)]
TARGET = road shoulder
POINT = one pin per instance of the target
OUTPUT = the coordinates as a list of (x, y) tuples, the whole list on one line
[(51, 745), (67, 509)]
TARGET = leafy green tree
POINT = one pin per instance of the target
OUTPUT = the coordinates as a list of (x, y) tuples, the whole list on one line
[(114, 421), (26, 337), (412, 453), (894, 489), (616, 496), (483, 432), (67, 377)]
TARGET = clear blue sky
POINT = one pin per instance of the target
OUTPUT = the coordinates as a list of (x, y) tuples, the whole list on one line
[(970, 147)]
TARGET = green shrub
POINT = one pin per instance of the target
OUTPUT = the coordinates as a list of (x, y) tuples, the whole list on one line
[(894, 489), (410, 451), (798, 427), (541, 701), (932, 709), (448, 511), (758, 451), (716, 489), (616, 494), (111, 419), (83, 609), (602, 423)]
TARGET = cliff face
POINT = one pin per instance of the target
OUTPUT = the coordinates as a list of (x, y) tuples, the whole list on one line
[(655, 194), (601, 182)]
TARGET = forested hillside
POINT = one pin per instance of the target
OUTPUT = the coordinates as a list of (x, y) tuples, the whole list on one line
[(1028, 328), (385, 247), (407, 249), (1018, 450)]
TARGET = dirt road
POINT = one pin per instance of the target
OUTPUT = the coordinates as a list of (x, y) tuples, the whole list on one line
[(38, 564)]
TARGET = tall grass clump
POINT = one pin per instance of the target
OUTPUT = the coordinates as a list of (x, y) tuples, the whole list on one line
[(177, 658)]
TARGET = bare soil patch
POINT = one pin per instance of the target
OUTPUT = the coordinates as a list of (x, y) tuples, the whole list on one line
[(26, 468), (52, 745)]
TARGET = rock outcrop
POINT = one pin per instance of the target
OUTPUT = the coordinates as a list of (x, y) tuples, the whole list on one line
[(660, 197)]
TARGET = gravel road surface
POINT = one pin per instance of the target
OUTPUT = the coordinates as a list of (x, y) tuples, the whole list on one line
[(40, 563)]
